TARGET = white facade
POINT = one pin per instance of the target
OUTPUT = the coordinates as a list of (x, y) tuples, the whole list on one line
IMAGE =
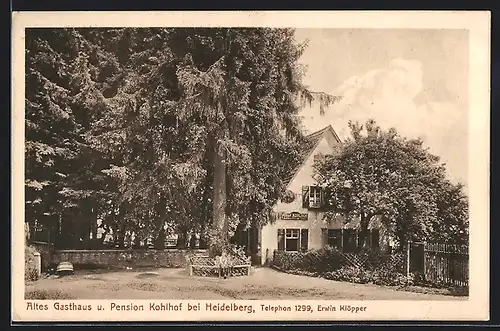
[(314, 223)]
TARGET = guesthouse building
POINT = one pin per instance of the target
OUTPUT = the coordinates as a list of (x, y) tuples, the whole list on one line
[(300, 224)]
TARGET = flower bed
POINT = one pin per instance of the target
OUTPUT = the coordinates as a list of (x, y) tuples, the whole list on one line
[(362, 268), (221, 266), (329, 259)]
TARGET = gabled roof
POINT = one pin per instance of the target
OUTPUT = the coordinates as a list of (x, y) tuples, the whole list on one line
[(311, 142)]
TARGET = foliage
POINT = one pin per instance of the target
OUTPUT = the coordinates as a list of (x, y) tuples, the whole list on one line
[(329, 258), (238, 252), (47, 294), (67, 73), (378, 173), (159, 130), (391, 278), (30, 268), (361, 275), (325, 258), (288, 197), (234, 256), (420, 280), (349, 274)]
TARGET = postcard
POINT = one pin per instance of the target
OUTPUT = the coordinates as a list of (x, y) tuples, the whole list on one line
[(250, 166)]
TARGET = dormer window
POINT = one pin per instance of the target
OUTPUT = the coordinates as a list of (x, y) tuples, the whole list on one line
[(312, 197)]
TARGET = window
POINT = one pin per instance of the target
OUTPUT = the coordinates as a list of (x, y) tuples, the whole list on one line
[(312, 197), (364, 239), (334, 238), (350, 240), (294, 240), (315, 197)]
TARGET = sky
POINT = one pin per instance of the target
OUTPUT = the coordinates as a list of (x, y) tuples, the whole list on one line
[(414, 80)]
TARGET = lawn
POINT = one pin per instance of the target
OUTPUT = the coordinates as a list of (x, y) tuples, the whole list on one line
[(263, 283)]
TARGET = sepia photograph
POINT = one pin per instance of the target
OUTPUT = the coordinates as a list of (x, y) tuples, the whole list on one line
[(275, 169)]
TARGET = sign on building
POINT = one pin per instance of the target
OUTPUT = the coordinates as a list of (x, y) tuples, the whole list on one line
[(295, 216)]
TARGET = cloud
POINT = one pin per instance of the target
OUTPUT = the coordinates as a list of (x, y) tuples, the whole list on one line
[(388, 95)]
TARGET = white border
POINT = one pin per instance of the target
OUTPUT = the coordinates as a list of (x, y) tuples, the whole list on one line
[(476, 22)]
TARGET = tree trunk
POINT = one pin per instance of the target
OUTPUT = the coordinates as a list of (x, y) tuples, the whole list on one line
[(121, 238), (84, 233), (203, 237), (94, 242), (192, 241), (402, 240), (254, 242), (137, 241), (219, 201), (181, 239), (403, 233), (364, 222), (160, 239), (206, 217)]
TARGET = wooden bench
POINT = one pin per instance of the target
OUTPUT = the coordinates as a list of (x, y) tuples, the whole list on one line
[(210, 265)]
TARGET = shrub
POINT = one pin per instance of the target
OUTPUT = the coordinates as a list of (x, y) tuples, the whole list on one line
[(43, 294), (30, 268), (323, 259), (349, 274), (391, 278), (419, 280), (238, 252), (363, 276)]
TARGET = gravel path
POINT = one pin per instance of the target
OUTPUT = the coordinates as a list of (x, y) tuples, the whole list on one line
[(263, 283)]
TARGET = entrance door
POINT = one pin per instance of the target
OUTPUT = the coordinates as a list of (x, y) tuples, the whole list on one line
[(254, 243)]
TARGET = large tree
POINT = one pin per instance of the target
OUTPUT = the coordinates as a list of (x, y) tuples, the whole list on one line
[(246, 86), (187, 127), (378, 173), (65, 77), (221, 100)]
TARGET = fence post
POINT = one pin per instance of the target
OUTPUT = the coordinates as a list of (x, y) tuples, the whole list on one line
[(425, 259), (408, 259), (38, 264)]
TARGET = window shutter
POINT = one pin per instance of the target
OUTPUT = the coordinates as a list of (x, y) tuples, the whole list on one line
[(281, 239), (322, 197), (305, 196), (304, 240)]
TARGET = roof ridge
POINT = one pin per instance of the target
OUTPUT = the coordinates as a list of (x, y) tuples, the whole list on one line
[(318, 131), (307, 150)]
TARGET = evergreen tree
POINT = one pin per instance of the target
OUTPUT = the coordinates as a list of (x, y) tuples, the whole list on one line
[(190, 128), (66, 75)]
